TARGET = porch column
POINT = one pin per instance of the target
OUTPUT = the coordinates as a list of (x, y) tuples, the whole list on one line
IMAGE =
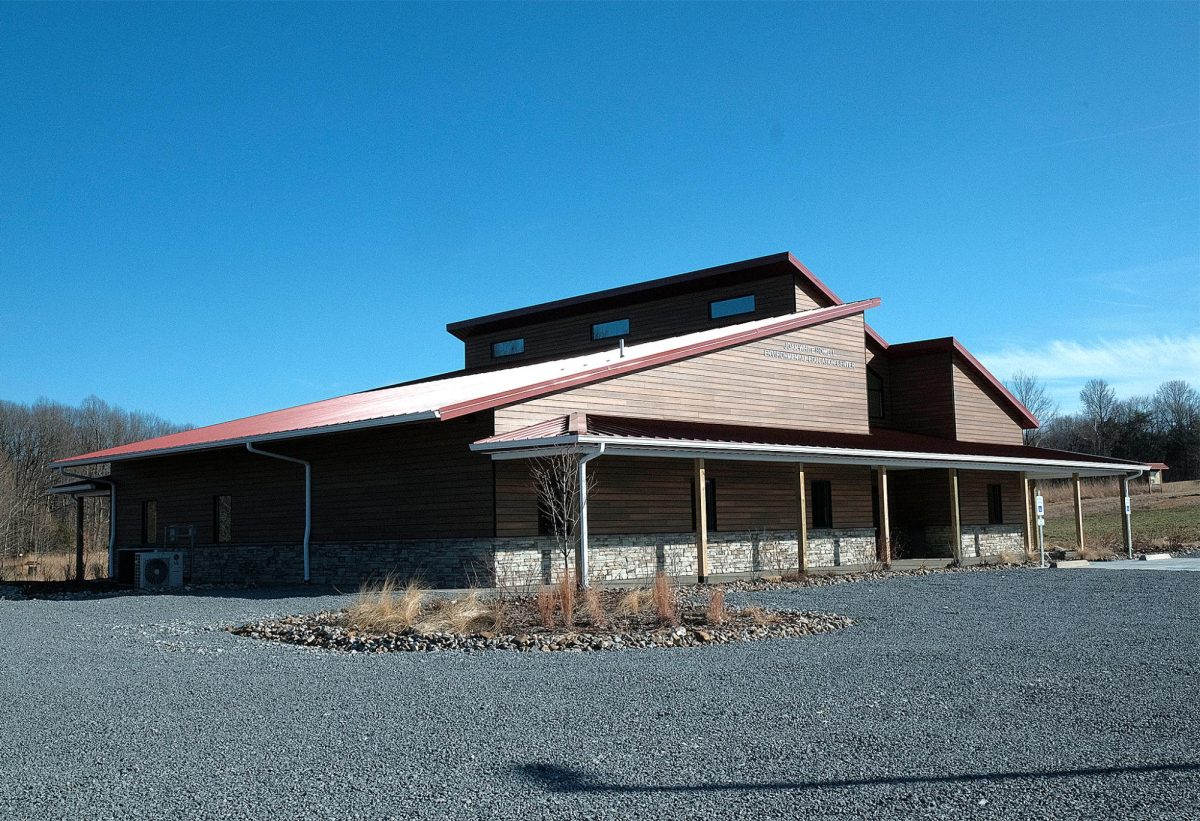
[(1077, 498), (1126, 519), (1027, 522), (885, 526), (701, 522), (801, 521), (955, 518), (78, 538)]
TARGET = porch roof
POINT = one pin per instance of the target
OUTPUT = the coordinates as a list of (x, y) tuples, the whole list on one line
[(624, 436)]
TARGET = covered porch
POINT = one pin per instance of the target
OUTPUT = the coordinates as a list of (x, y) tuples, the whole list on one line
[(778, 500)]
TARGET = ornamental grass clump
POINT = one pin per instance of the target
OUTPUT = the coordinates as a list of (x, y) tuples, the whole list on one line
[(631, 603), (383, 609), (547, 605), (715, 614), (464, 616), (595, 609), (664, 600), (566, 600)]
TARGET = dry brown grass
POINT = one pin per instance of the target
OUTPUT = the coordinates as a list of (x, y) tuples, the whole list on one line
[(595, 608), (664, 600), (761, 617), (566, 600), (1098, 550), (52, 567), (384, 608), (464, 616), (715, 614), (631, 603), (547, 605)]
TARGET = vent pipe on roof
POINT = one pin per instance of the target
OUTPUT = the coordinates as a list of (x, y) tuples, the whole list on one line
[(621, 346), (307, 500)]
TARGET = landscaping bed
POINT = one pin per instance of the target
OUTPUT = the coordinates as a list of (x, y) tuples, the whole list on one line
[(386, 619)]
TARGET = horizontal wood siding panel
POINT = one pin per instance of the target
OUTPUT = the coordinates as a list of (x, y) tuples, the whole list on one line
[(740, 385), (972, 496), (978, 417), (405, 482), (653, 319), (653, 495), (921, 394)]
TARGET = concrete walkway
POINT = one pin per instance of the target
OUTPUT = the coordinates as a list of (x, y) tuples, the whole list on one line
[(1191, 563)]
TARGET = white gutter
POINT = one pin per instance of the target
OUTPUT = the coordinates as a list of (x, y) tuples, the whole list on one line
[(112, 516), (382, 421), (687, 449), (307, 500), (581, 559)]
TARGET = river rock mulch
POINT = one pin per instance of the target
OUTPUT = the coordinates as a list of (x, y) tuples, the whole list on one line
[(329, 631)]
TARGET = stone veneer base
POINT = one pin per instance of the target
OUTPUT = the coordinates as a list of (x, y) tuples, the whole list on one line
[(516, 562)]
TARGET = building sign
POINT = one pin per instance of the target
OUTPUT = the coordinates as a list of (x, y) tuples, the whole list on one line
[(812, 354)]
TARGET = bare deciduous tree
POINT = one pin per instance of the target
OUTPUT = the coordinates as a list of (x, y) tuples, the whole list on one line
[(555, 480), (1033, 395), (1099, 411)]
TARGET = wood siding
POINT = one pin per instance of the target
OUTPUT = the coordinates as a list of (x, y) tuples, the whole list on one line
[(739, 385), (972, 496), (652, 319), (654, 495), (404, 482), (920, 394), (978, 417)]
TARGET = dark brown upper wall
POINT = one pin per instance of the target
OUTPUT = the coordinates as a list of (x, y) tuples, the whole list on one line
[(920, 394), (406, 482), (653, 317)]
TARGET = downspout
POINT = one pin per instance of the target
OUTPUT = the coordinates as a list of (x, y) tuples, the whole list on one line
[(1127, 516), (112, 516), (307, 500), (581, 558)]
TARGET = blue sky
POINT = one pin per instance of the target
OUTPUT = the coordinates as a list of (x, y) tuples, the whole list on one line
[(209, 211)]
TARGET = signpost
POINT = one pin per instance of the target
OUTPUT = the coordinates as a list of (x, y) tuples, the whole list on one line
[(1041, 523)]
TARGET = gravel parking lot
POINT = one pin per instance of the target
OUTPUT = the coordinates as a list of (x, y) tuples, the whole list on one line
[(1014, 694)]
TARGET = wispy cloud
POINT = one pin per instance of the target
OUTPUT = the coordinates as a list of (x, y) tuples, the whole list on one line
[(1133, 365), (1108, 135)]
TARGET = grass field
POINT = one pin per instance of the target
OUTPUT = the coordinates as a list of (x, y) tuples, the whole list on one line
[(1166, 521)]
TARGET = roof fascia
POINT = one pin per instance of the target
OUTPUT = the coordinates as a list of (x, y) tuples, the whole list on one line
[(299, 433)]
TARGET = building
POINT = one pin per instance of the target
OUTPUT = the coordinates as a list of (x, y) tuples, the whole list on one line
[(736, 419)]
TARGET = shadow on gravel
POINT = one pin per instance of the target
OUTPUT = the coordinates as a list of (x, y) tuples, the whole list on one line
[(555, 778)]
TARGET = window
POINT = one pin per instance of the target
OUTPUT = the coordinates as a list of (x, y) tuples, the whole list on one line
[(710, 504), (150, 522), (995, 505), (608, 330), (222, 519), (731, 307), (874, 394), (822, 503), (508, 347)]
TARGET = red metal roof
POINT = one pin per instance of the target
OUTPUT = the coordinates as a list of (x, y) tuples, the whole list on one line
[(458, 395)]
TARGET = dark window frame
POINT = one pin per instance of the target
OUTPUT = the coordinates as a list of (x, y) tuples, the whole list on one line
[(995, 504), (710, 504), (217, 529), (623, 333), (712, 303), (150, 521), (881, 391), (516, 339), (821, 496)]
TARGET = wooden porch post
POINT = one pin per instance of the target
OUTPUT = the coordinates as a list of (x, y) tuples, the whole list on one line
[(1077, 498), (885, 526), (1027, 522), (1126, 520), (801, 521), (79, 538), (955, 519), (701, 522)]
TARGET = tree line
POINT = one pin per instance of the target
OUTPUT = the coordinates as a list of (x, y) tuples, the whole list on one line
[(1161, 427), (31, 436)]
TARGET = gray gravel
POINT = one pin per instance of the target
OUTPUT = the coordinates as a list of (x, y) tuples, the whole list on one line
[(1014, 694)]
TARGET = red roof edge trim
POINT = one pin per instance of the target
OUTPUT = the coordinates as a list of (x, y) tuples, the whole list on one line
[(814, 280), (805, 320)]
